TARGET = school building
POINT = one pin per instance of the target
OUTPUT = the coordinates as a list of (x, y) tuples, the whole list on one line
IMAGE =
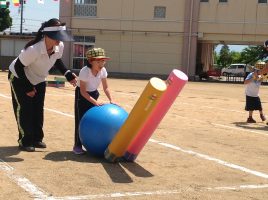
[(155, 36), (152, 37)]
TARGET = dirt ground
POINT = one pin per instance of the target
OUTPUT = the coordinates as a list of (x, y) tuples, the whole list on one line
[(202, 149)]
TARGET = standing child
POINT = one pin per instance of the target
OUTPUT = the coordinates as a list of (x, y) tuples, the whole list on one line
[(86, 92), (253, 101)]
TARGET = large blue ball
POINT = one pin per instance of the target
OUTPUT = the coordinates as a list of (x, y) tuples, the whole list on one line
[(99, 125)]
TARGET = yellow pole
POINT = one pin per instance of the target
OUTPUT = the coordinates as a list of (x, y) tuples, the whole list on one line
[(137, 117)]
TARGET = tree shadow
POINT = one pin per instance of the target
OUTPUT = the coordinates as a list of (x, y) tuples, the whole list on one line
[(114, 170), (247, 126), (7, 153)]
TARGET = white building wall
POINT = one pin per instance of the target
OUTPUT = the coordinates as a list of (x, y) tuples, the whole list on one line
[(237, 22), (135, 41), (7, 47), (138, 43), (11, 47)]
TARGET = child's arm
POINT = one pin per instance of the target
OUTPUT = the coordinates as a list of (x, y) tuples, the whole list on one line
[(84, 93), (247, 81), (249, 78), (106, 89)]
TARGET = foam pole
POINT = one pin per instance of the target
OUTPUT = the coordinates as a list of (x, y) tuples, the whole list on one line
[(175, 82), (137, 117)]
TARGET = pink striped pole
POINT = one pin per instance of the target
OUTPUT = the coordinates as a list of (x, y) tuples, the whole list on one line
[(175, 82)]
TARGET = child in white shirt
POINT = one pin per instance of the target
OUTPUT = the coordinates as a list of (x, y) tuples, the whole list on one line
[(253, 101)]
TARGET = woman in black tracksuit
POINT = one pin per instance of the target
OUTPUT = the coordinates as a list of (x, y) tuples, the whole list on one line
[(27, 74)]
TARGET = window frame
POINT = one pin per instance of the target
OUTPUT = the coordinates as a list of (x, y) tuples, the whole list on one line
[(83, 6), (84, 43), (155, 11), (262, 2)]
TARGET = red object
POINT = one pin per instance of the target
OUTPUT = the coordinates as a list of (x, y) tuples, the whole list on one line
[(214, 72), (176, 81)]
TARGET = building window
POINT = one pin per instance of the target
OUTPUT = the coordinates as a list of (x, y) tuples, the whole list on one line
[(85, 8), (80, 46), (223, 1), (262, 1), (159, 12), (203, 0)]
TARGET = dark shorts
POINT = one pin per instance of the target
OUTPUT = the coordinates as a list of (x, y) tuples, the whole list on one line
[(253, 103)]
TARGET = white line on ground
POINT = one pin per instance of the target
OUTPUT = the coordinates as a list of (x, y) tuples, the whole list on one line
[(256, 173), (39, 194), (240, 187), (23, 182), (5, 96), (210, 107), (137, 95), (206, 157), (240, 129), (60, 95), (224, 126), (117, 195), (220, 125), (59, 112), (160, 192), (48, 109)]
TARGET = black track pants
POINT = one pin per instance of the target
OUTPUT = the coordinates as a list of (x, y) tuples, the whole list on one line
[(81, 106), (29, 111)]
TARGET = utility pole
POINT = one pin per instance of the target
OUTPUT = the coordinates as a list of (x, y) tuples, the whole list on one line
[(21, 15)]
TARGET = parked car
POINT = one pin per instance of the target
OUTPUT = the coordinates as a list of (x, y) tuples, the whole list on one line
[(236, 70)]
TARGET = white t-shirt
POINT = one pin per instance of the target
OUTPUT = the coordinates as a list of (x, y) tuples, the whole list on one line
[(92, 82), (37, 62), (252, 88)]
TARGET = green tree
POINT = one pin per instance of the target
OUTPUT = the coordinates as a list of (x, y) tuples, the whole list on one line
[(225, 58), (236, 57), (5, 19), (252, 54)]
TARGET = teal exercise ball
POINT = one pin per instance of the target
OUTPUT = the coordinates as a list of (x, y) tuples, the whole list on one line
[(99, 125)]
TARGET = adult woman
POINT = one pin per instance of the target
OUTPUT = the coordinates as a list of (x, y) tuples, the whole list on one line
[(27, 74), (86, 92)]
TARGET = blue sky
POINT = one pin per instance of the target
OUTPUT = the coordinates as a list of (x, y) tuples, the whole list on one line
[(34, 14), (238, 48)]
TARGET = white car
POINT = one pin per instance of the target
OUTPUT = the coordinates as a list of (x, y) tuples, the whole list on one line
[(236, 70)]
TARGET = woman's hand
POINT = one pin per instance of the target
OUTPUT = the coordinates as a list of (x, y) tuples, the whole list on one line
[(73, 82), (31, 93), (71, 77)]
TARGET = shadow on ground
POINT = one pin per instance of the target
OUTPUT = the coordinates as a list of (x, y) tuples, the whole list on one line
[(116, 171), (248, 126), (8, 154)]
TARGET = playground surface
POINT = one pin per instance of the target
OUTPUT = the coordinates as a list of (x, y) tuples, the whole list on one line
[(202, 149)]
